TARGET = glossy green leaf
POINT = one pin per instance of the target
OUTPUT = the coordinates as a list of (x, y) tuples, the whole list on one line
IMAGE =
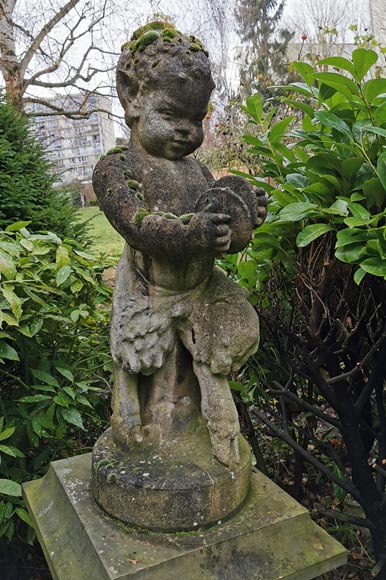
[(62, 257), (381, 168), (62, 399), (330, 120), (7, 433), (24, 516), (7, 265), (72, 416), (34, 399), (66, 373), (45, 377), (297, 211), (305, 70), (338, 62), (359, 275), (338, 82), (14, 301), (279, 129), (11, 450), (373, 88), (374, 266), (363, 60), (9, 487), (311, 233), (254, 106), (17, 226), (62, 275), (7, 351)]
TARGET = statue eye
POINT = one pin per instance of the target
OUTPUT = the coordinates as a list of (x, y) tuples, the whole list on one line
[(167, 115)]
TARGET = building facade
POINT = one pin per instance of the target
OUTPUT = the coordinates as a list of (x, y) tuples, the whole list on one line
[(75, 145)]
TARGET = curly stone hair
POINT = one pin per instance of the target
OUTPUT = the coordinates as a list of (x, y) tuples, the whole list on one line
[(142, 62)]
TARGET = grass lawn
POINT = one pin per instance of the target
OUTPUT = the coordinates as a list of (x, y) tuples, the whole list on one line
[(105, 239)]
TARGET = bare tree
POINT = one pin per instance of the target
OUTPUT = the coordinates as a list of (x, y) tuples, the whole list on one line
[(55, 45), (326, 24)]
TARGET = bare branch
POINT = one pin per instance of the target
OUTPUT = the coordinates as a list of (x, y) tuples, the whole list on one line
[(34, 46), (343, 483)]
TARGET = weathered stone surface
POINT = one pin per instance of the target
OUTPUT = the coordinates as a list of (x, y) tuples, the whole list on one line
[(148, 488), (179, 325), (272, 537)]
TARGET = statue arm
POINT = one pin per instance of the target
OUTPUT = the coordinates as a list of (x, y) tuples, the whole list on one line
[(152, 233)]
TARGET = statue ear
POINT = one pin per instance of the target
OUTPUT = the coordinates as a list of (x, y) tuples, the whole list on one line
[(127, 88)]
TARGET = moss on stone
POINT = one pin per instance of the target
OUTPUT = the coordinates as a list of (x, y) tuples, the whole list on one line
[(140, 216), (185, 218), (133, 184), (146, 39), (156, 25), (169, 33), (116, 150)]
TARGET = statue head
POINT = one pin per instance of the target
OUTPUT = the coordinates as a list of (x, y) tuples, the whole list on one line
[(164, 71)]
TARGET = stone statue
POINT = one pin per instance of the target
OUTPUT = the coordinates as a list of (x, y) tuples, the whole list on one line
[(179, 326)]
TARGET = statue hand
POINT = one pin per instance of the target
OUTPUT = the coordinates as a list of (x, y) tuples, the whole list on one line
[(211, 231)]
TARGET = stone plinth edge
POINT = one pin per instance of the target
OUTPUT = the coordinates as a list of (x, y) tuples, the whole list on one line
[(271, 537)]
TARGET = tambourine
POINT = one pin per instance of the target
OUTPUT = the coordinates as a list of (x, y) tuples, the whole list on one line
[(224, 200)]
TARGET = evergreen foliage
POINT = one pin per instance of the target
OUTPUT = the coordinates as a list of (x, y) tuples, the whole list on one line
[(265, 55), (316, 269), (27, 191)]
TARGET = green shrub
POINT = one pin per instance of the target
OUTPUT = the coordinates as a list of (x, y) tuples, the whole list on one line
[(54, 357), (316, 270), (27, 189)]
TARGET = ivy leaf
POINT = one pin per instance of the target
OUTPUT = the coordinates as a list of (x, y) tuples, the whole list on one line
[(311, 233)]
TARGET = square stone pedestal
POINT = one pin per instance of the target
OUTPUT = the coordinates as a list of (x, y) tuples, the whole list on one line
[(271, 537)]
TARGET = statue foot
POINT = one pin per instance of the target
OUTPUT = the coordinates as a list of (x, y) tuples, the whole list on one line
[(226, 451), (127, 435)]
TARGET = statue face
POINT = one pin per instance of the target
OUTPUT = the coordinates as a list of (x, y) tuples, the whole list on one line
[(170, 119)]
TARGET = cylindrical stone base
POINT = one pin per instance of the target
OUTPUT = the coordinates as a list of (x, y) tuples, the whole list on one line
[(165, 490)]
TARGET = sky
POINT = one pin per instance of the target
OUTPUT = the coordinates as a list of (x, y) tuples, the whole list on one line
[(195, 16)]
